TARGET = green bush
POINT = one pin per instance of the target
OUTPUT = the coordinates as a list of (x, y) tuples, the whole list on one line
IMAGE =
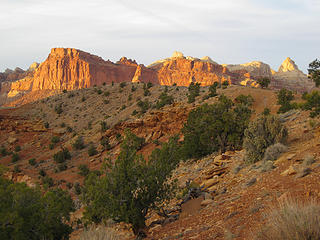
[(314, 72), (144, 106), (62, 167), (149, 85), (15, 157), (164, 99), (104, 126), (105, 143), (146, 92), (17, 148), (106, 93), (83, 170), (78, 144), (32, 161), (213, 89), (245, 99), (132, 186), (3, 151), (48, 181), (46, 125), (77, 188), (284, 100), (92, 150), (27, 213), (42, 172), (262, 133), (194, 91), (215, 127), (264, 82), (62, 156), (312, 103), (58, 108), (55, 139), (225, 84), (123, 84)]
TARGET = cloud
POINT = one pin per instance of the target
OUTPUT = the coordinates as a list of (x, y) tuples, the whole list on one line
[(232, 31)]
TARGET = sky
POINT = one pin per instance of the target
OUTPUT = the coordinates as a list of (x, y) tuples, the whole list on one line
[(228, 31)]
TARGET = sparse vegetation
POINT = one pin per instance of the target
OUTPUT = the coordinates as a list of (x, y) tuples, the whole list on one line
[(17, 148), (32, 161), (92, 150), (83, 170), (215, 127), (312, 103), (264, 82), (26, 213), (123, 84), (274, 151), (164, 99), (15, 157), (3, 151), (284, 100), (314, 72), (62, 156), (78, 144), (144, 106), (194, 91), (262, 133), (132, 186), (292, 221)]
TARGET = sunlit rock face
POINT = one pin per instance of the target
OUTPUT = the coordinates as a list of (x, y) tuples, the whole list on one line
[(290, 77)]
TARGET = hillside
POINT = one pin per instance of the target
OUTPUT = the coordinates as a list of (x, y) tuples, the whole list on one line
[(240, 194)]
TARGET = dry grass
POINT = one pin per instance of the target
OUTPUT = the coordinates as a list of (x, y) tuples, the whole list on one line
[(292, 221), (99, 233), (274, 151)]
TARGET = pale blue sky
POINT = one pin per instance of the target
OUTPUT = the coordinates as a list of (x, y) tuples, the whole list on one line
[(229, 31)]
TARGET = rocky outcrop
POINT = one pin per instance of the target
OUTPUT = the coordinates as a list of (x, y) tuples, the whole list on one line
[(144, 74), (290, 77), (255, 68)]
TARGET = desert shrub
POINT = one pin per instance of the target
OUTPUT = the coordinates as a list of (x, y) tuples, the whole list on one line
[(312, 103), (129, 97), (51, 146), (264, 82), (266, 111), (135, 112), (105, 143), (71, 95), (104, 83), (48, 181), (292, 221), (83, 99), (104, 126), (213, 90), (16, 169), (92, 150), (26, 213), (215, 127), (194, 91), (99, 91), (284, 100), (149, 85), (144, 106), (58, 108), (146, 92), (83, 170), (225, 84), (308, 160), (131, 186), (15, 157), (3, 151), (46, 125), (106, 93), (123, 84), (42, 172), (69, 185), (164, 99), (64, 90), (62, 156), (133, 88), (245, 99), (274, 151), (78, 144), (123, 107), (69, 129), (32, 161), (62, 125), (17, 148), (262, 133), (62, 167), (100, 233), (77, 188), (314, 72), (55, 139)]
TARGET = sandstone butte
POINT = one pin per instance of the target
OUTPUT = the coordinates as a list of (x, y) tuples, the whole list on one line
[(68, 68)]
